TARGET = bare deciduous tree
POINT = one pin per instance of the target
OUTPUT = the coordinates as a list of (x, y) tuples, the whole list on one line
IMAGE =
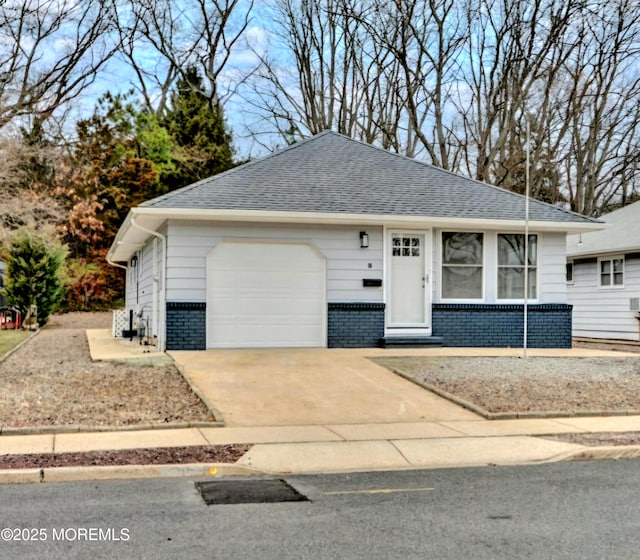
[(600, 110), (51, 51), (23, 201), (162, 38), (324, 69)]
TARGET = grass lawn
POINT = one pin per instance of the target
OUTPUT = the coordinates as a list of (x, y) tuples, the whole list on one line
[(10, 339)]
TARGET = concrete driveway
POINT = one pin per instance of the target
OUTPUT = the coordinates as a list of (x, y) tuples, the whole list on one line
[(294, 387)]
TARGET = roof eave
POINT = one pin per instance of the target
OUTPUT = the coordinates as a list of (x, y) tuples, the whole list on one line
[(124, 246), (587, 253), (356, 219)]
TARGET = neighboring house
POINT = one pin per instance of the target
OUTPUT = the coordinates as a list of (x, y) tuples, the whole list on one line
[(603, 277), (332, 242)]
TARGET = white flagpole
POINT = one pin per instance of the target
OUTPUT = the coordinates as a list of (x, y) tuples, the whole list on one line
[(526, 244)]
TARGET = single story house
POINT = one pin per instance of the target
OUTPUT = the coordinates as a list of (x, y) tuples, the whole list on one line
[(334, 243), (603, 277)]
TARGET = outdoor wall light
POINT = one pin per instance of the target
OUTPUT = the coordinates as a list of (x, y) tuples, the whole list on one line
[(134, 261), (364, 239)]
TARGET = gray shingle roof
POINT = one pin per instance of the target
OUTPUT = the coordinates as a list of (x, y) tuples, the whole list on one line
[(622, 234), (330, 173)]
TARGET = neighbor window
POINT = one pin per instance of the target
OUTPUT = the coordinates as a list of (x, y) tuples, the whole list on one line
[(511, 266), (611, 272), (569, 273), (462, 265)]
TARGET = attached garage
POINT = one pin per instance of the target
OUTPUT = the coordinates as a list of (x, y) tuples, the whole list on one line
[(266, 294)]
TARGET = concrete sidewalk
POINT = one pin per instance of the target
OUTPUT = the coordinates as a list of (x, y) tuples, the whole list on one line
[(454, 438), (344, 447)]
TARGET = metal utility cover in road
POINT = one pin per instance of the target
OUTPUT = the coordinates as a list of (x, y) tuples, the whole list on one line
[(222, 492)]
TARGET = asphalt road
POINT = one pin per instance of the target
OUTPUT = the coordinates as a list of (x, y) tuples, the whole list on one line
[(587, 510)]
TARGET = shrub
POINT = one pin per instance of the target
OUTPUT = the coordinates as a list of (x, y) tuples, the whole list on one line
[(34, 262)]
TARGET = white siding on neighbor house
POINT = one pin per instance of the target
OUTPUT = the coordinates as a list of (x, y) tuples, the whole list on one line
[(189, 243), (604, 312), (551, 267)]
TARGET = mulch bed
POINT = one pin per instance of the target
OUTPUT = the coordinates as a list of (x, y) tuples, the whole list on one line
[(600, 439), (152, 456)]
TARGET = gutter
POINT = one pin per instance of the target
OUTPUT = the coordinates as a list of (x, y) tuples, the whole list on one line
[(369, 219), (162, 294), (112, 263)]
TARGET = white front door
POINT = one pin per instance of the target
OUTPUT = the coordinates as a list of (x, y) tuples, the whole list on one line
[(408, 302)]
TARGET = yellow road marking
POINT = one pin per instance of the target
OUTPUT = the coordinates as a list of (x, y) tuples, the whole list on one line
[(377, 491)]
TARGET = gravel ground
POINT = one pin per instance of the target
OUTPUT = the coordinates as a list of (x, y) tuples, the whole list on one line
[(610, 346), (51, 380), (534, 385)]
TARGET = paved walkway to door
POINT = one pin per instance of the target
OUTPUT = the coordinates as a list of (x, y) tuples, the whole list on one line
[(294, 387)]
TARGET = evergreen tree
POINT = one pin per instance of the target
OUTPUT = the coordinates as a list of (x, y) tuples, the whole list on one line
[(196, 123), (34, 263)]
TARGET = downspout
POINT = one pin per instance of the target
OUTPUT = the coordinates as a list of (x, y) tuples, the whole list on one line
[(162, 295)]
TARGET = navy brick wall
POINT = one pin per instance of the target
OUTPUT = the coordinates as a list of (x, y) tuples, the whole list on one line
[(549, 325), (355, 325), (186, 326)]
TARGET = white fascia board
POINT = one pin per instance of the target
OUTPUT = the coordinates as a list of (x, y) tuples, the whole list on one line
[(129, 239), (361, 219), (601, 252)]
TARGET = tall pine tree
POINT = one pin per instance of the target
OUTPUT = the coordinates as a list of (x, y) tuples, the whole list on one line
[(196, 123)]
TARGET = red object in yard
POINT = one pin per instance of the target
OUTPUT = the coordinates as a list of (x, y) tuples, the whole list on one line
[(10, 318)]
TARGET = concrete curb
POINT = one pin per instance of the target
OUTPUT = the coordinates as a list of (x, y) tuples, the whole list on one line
[(71, 474), (16, 348), (87, 428), (526, 415)]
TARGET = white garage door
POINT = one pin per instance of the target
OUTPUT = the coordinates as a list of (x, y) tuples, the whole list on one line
[(265, 295)]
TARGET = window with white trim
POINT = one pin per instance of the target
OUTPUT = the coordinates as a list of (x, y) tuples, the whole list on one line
[(405, 245), (569, 273), (611, 272), (511, 266), (462, 265)]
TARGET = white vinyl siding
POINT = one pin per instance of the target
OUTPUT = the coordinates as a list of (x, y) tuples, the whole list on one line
[(347, 263), (140, 282), (552, 270), (604, 313)]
